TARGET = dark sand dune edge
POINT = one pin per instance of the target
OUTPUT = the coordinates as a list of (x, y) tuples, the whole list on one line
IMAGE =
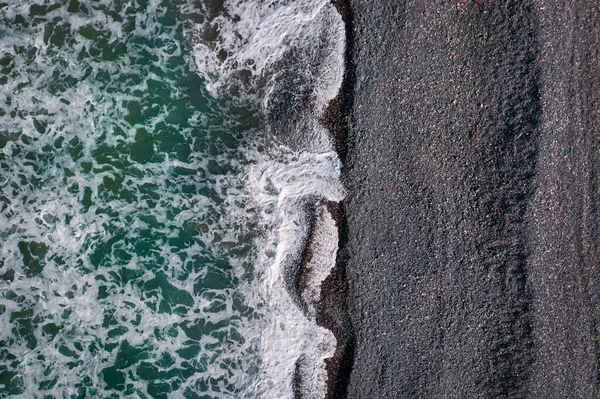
[(471, 259)]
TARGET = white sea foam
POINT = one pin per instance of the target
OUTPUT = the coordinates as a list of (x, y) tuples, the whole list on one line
[(288, 55), (254, 36), (282, 184), (323, 253)]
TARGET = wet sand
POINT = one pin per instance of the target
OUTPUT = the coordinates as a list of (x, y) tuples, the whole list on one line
[(470, 259)]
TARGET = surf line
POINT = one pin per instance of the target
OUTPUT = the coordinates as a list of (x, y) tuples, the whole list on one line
[(329, 305)]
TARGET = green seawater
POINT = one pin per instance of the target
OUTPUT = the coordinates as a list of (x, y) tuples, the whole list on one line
[(151, 224), (126, 234)]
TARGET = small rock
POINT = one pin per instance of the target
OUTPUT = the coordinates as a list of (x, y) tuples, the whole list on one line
[(426, 13), (461, 1), (468, 63), (480, 2)]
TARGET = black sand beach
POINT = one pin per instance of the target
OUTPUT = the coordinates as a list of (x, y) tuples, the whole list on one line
[(470, 265)]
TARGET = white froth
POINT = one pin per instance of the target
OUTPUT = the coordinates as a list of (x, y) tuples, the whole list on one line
[(250, 48), (323, 251), (250, 45), (256, 35), (281, 183)]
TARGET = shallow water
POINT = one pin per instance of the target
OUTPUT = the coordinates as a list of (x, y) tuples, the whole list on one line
[(148, 213)]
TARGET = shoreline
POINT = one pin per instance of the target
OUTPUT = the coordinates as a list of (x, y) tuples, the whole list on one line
[(332, 309)]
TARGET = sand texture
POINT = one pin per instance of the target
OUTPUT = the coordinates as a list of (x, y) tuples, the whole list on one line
[(473, 159)]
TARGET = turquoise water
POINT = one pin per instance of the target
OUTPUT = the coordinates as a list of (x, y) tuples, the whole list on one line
[(140, 233)]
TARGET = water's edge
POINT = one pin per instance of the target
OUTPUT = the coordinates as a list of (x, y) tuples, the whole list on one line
[(332, 309)]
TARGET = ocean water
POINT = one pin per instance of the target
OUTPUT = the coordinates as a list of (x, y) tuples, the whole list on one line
[(160, 162)]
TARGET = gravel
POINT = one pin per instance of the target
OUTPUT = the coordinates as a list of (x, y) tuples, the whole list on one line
[(472, 257)]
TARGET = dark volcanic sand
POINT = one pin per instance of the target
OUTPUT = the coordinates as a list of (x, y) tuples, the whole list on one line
[(473, 219)]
